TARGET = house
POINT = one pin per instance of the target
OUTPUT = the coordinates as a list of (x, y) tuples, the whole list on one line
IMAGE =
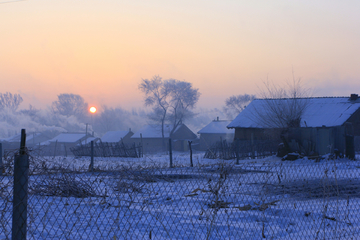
[(61, 144), (88, 140), (215, 131), (150, 137), (117, 136), (33, 140), (326, 124)]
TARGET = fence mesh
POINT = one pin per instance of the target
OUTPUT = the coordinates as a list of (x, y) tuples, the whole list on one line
[(216, 199)]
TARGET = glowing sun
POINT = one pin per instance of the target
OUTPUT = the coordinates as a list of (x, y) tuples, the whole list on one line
[(93, 109)]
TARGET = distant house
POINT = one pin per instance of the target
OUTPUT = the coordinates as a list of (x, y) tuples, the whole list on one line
[(117, 136), (150, 136), (327, 123), (32, 140), (61, 144), (215, 131), (88, 140)]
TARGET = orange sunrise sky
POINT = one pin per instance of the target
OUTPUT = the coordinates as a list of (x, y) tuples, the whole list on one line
[(102, 49)]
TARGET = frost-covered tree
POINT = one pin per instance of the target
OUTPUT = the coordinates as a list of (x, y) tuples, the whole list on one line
[(10, 101), (236, 103), (31, 111), (69, 104), (172, 100), (183, 98), (115, 119)]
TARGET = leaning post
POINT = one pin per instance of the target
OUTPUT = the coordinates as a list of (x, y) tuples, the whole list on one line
[(21, 171)]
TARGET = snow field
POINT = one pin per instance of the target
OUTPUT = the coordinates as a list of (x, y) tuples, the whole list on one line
[(144, 199)]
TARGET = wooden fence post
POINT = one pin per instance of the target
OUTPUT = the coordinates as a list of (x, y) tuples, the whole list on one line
[(142, 146), (92, 157), (170, 153), (55, 148), (1, 161), (21, 171), (252, 146), (237, 149), (191, 160)]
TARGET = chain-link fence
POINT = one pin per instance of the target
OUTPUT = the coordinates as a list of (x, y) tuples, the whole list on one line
[(216, 199)]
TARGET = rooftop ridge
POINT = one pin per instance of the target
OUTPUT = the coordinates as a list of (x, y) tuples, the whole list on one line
[(302, 98)]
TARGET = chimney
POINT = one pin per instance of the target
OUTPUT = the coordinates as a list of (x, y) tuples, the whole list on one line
[(354, 96), (217, 119)]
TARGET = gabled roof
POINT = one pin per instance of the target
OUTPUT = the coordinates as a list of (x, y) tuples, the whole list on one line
[(114, 136), (154, 131), (217, 126), (326, 111), (68, 137)]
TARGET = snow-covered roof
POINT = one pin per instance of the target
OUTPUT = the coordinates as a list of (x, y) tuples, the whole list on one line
[(114, 136), (154, 131), (326, 111), (68, 137), (217, 127)]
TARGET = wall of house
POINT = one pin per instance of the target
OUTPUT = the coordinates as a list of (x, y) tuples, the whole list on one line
[(248, 133), (183, 133), (152, 145), (309, 141), (179, 143), (317, 140), (127, 138), (257, 134), (355, 122), (209, 139), (56, 149)]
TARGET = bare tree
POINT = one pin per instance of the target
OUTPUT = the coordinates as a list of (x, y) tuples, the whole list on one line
[(183, 100), (156, 95), (282, 107), (10, 101), (172, 100), (69, 104), (235, 104)]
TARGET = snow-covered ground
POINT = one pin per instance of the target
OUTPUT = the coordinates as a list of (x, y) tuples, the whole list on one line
[(216, 199)]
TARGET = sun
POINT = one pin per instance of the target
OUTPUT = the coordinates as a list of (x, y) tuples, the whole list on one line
[(92, 109)]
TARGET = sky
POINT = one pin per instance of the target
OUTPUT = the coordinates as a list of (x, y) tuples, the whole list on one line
[(102, 50)]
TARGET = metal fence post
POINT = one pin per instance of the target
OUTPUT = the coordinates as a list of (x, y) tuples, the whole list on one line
[(170, 153), (21, 171)]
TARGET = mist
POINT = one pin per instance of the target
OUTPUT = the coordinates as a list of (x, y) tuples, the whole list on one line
[(106, 119)]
